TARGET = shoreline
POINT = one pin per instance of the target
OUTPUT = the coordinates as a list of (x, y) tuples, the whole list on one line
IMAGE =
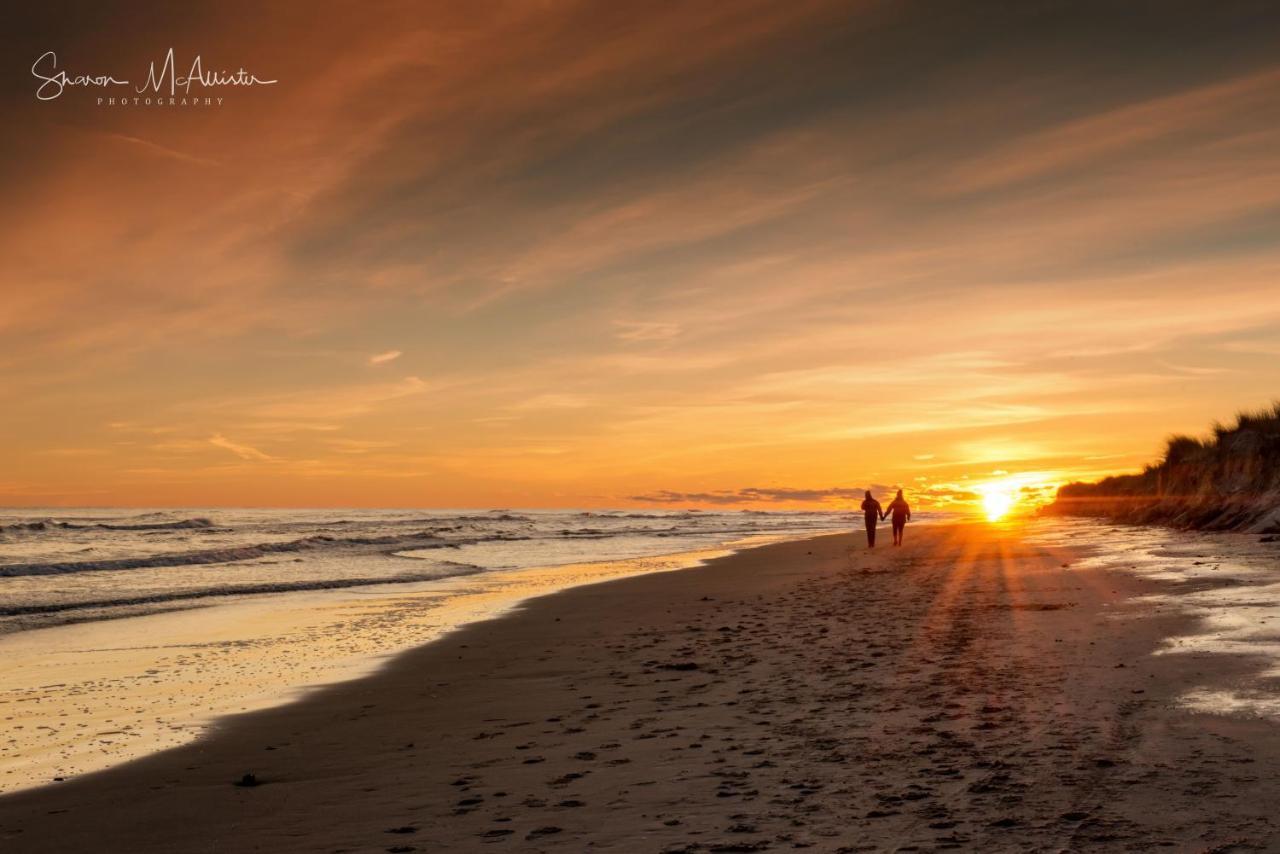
[(965, 691), (164, 679)]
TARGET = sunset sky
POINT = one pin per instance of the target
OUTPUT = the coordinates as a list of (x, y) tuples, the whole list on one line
[(602, 254)]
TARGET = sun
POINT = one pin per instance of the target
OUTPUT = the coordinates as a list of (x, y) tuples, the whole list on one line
[(1014, 495), (997, 500)]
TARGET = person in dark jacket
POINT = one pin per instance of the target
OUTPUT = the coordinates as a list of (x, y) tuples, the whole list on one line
[(872, 514), (901, 512)]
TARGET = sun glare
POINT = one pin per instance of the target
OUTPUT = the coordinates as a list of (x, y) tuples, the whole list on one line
[(997, 501), (1008, 495)]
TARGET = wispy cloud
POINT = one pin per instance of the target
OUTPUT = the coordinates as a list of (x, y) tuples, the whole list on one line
[(323, 405), (383, 358), (157, 149), (551, 401), (646, 330), (244, 452), (753, 495)]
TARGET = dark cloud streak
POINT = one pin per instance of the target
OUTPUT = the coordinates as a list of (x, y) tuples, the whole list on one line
[(757, 495)]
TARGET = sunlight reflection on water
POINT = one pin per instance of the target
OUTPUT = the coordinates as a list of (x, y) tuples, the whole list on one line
[(1227, 582), (83, 697)]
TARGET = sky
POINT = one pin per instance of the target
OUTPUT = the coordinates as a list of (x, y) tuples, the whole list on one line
[(588, 254)]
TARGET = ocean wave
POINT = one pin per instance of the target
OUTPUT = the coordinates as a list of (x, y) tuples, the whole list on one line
[(456, 569), (182, 525), (440, 522), (41, 525), (230, 554), (619, 514), (53, 524)]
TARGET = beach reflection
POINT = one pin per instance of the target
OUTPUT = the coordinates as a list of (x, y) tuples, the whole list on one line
[(83, 697), (1225, 581)]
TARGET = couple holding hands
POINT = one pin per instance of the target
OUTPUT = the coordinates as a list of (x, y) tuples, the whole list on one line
[(873, 513)]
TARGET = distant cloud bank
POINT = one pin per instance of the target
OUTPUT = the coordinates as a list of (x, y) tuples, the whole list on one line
[(754, 494)]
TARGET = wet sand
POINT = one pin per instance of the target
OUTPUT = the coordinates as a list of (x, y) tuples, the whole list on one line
[(967, 691), (84, 697)]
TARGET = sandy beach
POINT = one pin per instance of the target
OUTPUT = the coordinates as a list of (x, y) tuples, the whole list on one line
[(967, 692)]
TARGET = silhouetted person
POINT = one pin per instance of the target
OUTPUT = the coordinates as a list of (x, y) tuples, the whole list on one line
[(872, 513), (901, 512)]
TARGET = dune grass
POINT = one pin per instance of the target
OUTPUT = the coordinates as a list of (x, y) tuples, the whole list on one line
[(1219, 480)]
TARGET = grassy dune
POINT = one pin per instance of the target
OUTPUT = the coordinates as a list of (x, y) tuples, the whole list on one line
[(1226, 481)]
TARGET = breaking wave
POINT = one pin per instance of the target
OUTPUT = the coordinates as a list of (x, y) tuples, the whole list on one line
[(453, 569), (224, 555), (51, 524)]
